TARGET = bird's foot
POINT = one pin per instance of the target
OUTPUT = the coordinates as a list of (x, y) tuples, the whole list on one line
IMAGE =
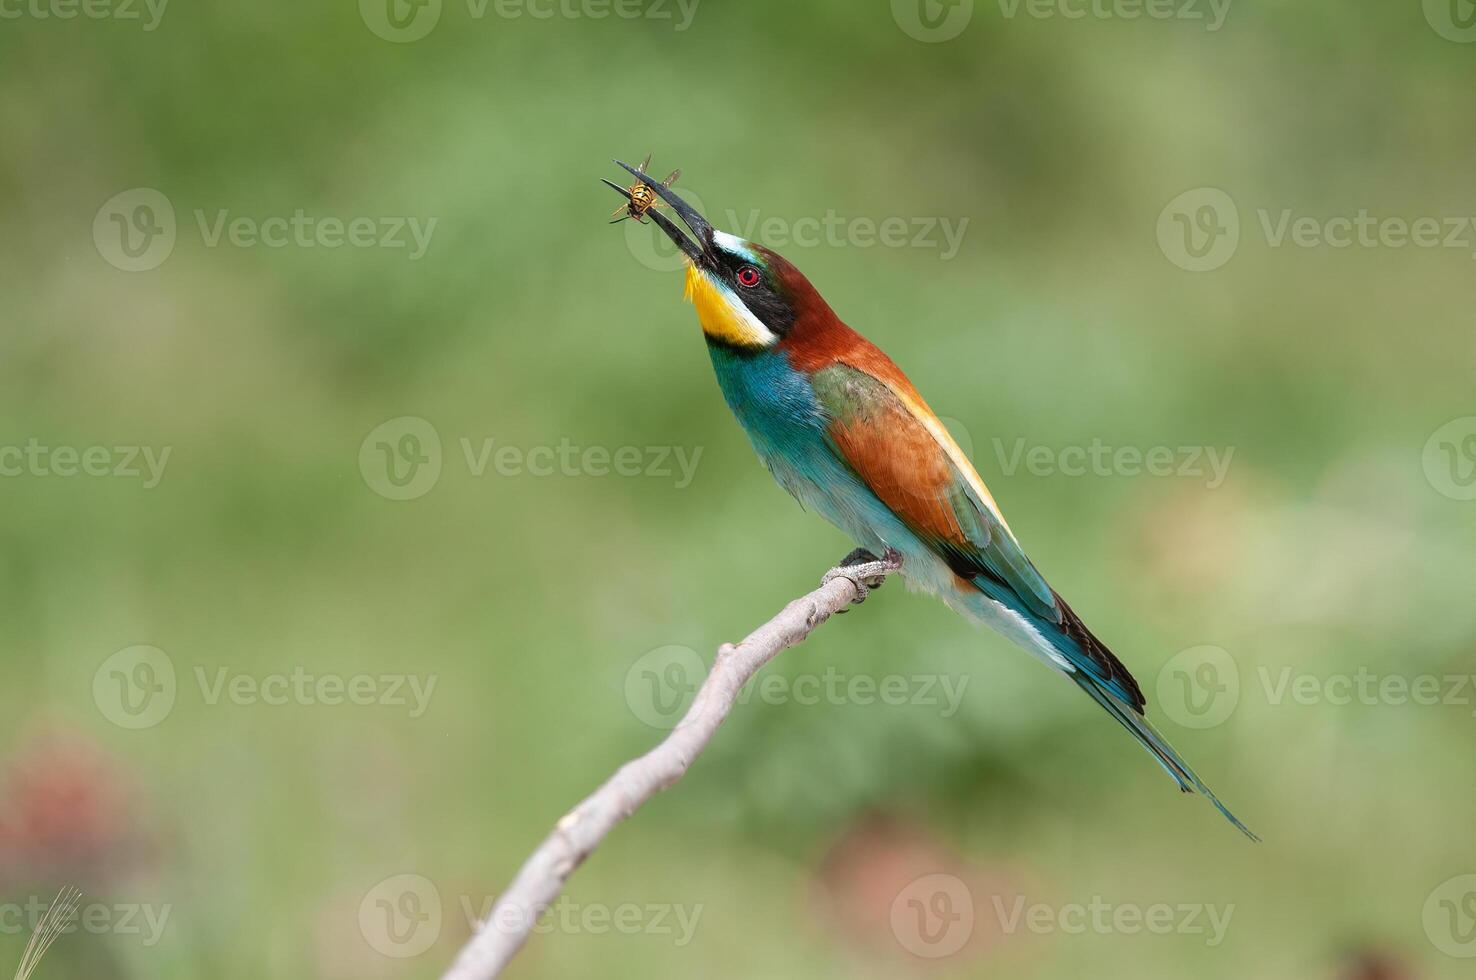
[(865, 571)]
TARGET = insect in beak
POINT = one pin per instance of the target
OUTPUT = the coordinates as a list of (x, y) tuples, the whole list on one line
[(640, 198), (701, 252)]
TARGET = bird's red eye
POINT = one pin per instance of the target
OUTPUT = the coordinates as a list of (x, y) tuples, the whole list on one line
[(748, 277)]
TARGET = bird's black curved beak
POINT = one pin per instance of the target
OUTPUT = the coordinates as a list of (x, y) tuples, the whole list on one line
[(701, 251)]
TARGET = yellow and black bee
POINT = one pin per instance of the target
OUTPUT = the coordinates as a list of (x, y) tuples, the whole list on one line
[(640, 198)]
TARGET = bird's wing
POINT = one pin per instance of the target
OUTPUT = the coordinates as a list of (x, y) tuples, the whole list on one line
[(895, 444)]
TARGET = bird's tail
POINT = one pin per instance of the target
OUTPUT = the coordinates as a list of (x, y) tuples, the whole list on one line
[(1140, 728)]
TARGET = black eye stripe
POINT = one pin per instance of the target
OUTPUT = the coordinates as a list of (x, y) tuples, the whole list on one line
[(759, 293)]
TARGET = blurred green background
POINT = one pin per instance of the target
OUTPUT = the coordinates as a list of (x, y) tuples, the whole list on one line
[(1092, 301)]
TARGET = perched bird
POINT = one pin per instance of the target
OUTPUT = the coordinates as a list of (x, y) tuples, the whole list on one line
[(844, 431)]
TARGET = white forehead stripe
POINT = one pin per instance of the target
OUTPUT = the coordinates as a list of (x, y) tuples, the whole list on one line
[(734, 245)]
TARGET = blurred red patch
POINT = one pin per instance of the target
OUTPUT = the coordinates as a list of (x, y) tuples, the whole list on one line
[(67, 813), (889, 887)]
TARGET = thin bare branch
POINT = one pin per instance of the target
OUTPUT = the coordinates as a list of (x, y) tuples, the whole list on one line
[(576, 836)]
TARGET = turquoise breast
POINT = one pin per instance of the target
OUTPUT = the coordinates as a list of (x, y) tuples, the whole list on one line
[(775, 403)]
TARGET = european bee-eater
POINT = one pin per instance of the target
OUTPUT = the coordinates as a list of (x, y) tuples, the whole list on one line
[(844, 431)]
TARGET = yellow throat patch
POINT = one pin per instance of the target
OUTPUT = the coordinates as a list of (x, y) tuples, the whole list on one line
[(722, 314)]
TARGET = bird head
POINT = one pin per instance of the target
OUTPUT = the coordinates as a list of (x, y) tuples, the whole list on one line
[(747, 296)]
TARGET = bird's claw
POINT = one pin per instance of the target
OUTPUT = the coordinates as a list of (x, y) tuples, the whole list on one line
[(865, 571)]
